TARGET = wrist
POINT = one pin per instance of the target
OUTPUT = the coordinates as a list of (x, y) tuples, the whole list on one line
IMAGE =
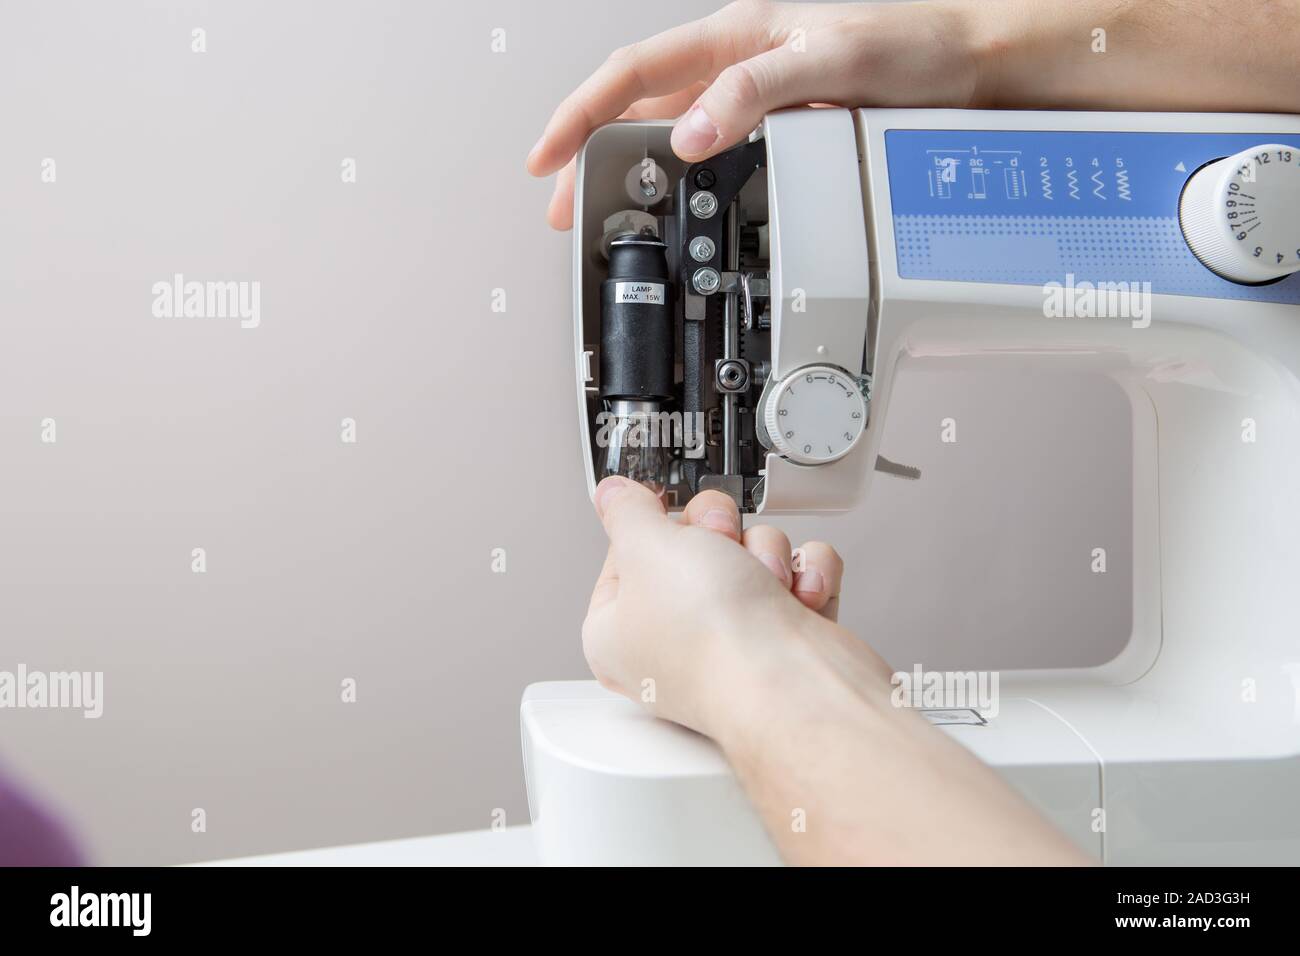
[(984, 36), (1040, 55), (999, 41), (786, 672)]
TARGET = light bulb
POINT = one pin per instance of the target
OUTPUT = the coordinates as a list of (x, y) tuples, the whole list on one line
[(633, 446)]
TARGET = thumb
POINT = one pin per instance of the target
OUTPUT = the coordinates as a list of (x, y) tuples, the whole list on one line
[(736, 101), (629, 509)]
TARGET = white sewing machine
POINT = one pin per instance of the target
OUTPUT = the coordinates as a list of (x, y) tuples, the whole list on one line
[(761, 305)]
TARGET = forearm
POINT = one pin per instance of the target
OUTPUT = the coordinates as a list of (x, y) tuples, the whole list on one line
[(841, 776), (1196, 55), (837, 773)]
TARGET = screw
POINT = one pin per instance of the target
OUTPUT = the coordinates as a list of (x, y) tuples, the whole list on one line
[(701, 248), (706, 281), (704, 204), (705, 179)]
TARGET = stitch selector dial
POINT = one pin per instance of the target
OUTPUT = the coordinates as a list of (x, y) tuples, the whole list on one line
[(815, 415), (1241, 215)]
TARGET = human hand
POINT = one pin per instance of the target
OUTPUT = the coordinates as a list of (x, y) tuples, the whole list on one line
[(726, 71), (688, 613), (698, 622), (721, 74)]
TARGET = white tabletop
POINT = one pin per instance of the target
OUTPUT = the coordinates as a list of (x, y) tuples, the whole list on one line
[(510, 846)]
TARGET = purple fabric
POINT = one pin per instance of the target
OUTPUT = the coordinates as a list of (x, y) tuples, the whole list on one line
[(30, 836)]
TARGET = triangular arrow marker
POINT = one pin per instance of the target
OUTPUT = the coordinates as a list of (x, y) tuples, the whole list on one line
[(1180, 168)]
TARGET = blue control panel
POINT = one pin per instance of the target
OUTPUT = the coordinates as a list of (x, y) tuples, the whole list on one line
[(1035, 207)]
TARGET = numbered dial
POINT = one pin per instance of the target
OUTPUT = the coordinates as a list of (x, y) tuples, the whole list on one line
[(815, 415), (1241, 215)]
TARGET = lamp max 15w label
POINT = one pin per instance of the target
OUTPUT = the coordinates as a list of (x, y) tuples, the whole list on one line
[(649, 293)]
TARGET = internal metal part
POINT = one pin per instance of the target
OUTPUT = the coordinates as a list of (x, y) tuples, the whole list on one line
[(704, 205), (733, 486), (646, 183), (747, 300), (721, 204), (626, 222), (702, 249), (732, 375), (706, 280), (731, 347), (683, 350)]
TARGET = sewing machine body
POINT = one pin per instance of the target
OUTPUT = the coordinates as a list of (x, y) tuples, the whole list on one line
[(949, 240)]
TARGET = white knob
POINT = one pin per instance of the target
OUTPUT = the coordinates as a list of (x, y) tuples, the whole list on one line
[(815, 415), (1241, 215)]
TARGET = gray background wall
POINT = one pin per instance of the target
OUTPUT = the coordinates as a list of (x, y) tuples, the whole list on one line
[(372, 561)]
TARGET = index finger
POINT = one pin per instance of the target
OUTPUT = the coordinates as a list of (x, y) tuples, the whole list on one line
[(663, 64)]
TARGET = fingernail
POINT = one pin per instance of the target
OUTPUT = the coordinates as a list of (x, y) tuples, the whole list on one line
[(775, 565), (719, 520), (607, 489), (810, 582), (694, 132)]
